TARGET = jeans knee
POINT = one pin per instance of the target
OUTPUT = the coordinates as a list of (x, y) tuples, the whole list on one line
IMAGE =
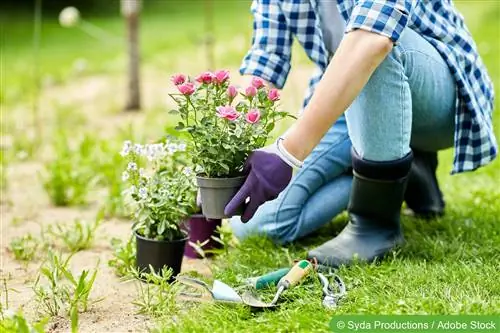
[(279, 230)]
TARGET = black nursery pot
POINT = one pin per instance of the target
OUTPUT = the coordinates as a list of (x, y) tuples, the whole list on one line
[(159, 254)]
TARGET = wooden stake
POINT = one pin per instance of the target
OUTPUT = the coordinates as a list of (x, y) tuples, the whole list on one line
[(130, 10)]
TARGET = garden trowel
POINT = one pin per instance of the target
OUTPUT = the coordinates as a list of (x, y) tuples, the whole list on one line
[(220, 293)]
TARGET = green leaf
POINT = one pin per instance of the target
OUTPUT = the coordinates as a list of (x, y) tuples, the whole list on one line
[(173, 112), (74, 319), (180, 126), (22, 324)]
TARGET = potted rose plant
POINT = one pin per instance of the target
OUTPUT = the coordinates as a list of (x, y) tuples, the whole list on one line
[(162, 193), (225, 125)]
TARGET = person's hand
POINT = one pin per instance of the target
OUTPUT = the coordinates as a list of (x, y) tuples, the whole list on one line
[(268, 175)]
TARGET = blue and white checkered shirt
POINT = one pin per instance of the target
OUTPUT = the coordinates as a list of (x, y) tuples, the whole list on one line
[(277, 22)]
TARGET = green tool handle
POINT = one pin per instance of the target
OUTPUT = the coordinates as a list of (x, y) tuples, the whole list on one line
[(269, 279), (298, 272)]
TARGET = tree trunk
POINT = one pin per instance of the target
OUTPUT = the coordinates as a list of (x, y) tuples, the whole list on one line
[(133, 102)]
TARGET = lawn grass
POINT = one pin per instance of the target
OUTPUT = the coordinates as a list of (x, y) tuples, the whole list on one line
[(447, 266), (174, 27)]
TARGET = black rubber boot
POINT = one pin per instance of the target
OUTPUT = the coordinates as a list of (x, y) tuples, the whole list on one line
[(423, 195), (374, 209)]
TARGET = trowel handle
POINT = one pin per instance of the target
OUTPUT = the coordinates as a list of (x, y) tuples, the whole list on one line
[(268, 280), (298, 272)]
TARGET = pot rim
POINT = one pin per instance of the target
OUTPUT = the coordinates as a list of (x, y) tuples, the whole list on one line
[(162, 241), (197, 215), (221, 178)]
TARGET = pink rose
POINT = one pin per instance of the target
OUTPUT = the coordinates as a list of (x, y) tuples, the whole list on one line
[(187, 88), (221, 76), (206, 77), (251, 91), (273, 95), (178, 79), (228, 112), (257, 82), (231, 92), (253, 116)]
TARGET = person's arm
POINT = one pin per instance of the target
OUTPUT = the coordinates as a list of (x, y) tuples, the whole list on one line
[(270, 55), (357, 57), (372, 30)]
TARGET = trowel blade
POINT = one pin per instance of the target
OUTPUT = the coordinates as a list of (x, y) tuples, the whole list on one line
[(250, 299), (223, 292)]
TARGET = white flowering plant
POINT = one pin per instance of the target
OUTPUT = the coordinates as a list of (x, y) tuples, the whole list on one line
[(161, 186)]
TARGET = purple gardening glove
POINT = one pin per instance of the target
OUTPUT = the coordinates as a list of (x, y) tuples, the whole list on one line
[(268, 175)]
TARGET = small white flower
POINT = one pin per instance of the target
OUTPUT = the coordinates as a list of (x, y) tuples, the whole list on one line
[(132, 166), (125, 152), (159, 150), (149, 153), (187, 171), (142, 173), (138, 149), (126, 148), (172, 148), (143, 193), (125, 176), (182, 146)]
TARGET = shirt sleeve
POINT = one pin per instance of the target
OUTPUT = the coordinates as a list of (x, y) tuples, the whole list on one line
[(270, 55), (387, 18)]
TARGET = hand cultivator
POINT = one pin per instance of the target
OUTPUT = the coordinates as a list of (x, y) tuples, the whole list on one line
[(283, 279)]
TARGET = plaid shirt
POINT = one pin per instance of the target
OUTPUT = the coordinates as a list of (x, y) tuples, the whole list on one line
[(277, 22)]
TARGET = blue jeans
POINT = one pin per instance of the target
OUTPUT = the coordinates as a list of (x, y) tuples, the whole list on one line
[(408, 101)]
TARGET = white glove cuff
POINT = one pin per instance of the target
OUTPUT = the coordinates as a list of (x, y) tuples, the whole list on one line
[(286, 156)]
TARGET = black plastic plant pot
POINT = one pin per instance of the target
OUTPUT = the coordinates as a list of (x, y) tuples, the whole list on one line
[(216, 193), (159, 254)]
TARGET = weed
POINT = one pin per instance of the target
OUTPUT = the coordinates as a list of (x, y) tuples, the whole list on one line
[(52, 297), (157, 296), (64, 290), (15, 322), (198, 247), (70, 174), (81, 288), (24, 248), (225, 238), (77, 236), (123, 260), (25, 145)]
